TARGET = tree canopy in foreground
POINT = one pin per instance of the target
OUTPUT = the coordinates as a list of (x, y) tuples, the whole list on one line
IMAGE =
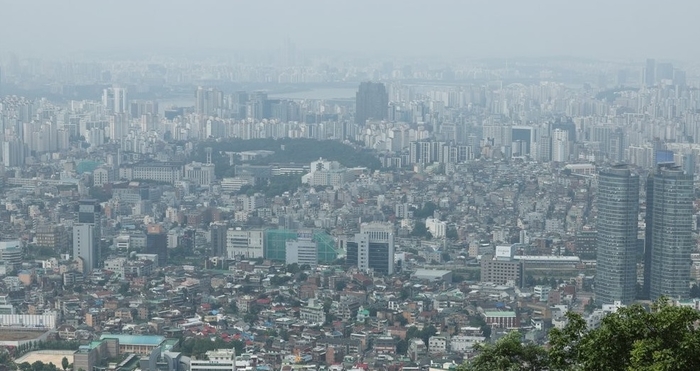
[(665, 338)]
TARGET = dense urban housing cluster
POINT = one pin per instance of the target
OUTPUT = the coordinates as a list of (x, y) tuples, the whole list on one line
[(161, 215)]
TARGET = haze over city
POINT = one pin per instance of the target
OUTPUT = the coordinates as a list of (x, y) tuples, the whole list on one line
[(619, 30), (349, 185)]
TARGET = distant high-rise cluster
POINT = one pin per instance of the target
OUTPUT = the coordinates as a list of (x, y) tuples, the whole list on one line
[(371, 102), (655, 73)]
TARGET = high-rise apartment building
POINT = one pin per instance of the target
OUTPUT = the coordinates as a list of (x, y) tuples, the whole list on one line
[(616, 242), (208, 101), (371, 102), (669, 240), (560, 145), (14, 153), (115, 100)]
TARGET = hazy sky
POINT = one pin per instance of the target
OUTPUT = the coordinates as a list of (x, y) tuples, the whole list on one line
[(615, 29)]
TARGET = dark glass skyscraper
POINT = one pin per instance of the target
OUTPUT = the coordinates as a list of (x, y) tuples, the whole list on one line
[(218, 238), (616, 242), (371, 102), (669, 232)]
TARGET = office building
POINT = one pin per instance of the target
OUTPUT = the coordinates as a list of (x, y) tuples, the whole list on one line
[(89, 211), (167, 172), (87, 233), (86, 246), (248, 244), (616, 241), (52, 236), (502, 268), (199, 173), (522, 138), (303, 250), (669, 232), (157, 243), (372, 249), (371, 102), (217, 234)]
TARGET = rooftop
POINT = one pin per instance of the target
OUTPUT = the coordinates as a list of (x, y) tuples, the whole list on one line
[(504, 314), (135, 339)]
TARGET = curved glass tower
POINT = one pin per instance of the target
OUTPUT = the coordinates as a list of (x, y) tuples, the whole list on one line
[(616, 243), (671, 233)]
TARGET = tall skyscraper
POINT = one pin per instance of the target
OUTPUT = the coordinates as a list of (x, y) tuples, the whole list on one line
[(669, 232), (650, 73), (371, 102), (616, 242)]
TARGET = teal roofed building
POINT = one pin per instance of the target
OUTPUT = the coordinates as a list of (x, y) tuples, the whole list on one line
[(276, 240), (87, 166), (137, 344)]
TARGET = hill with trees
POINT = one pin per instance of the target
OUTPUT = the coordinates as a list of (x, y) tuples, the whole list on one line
[(634, 338)]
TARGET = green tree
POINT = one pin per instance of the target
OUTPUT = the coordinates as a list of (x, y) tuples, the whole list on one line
[(451, 233), (64, 363), (508, 354), (665, 338), (420, 230), (402, 347), (633, 338)]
